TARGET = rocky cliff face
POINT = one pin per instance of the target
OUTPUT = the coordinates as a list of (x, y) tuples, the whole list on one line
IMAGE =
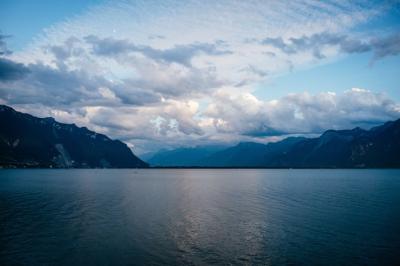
[(28, 141)]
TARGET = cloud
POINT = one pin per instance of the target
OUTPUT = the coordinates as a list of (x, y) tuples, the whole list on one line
[(389, 46), (70, 48), (134, 72), (181, 54), (53, 86), (228, 117), (76, 77), (185, 74), (303, 113), (380, 46), (159, 105), (139, 108), (168, 124), (10, 70), (156, 36), (203, 36), (3, 45)]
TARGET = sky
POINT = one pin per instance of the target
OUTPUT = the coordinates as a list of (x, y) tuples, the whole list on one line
[(168, 74)]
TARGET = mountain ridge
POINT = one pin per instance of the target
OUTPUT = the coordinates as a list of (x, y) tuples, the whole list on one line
[(377, 147), (29, 141)]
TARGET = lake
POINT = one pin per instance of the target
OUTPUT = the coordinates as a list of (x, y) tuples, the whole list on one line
[(199, 217)]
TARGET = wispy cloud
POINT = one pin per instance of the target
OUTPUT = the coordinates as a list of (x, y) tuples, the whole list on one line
[(380, 46), (181, 54), (3, 45)]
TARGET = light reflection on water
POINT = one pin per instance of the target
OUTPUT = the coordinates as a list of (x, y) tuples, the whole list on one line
[(199, 217)]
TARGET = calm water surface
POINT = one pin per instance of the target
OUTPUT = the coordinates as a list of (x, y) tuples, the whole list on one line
[(199, 217)]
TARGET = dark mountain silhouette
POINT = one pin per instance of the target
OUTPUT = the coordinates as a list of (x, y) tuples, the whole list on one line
[(378, 147), (28, 141)]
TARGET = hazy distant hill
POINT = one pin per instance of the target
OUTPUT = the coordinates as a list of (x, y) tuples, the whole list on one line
[(182, 156), (28, 141), (356, 148), (249, 154)]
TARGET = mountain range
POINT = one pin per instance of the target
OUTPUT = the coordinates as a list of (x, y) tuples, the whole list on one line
[(28, 141), (182, 157), (378, 147)]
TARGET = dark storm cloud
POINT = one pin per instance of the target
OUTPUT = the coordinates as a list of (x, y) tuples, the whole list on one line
[(381, 47), (181, 54), (10, 70)]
